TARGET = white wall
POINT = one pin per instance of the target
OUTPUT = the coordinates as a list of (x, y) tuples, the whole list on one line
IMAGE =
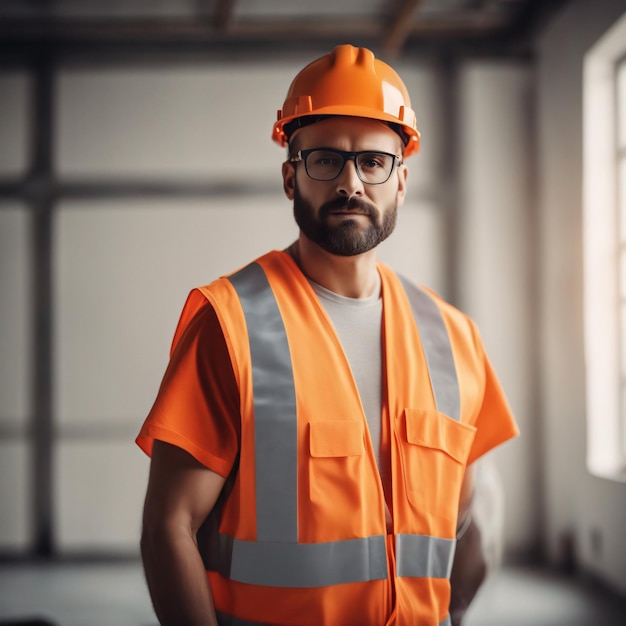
[(496, 216), (582, 511)]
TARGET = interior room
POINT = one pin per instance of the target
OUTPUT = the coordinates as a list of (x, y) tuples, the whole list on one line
[(136, 163)]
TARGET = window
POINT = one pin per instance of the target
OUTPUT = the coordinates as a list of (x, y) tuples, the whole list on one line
[(604, 234)]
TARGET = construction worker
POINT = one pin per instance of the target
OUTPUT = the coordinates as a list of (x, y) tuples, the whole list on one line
[(313, 438)]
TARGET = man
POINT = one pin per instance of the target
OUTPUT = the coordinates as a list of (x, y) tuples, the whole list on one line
[(313, 436)]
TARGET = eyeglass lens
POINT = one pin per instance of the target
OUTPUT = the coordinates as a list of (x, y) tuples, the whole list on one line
[(372, 167)]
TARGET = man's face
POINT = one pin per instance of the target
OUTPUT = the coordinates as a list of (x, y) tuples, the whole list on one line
[(345, 216)]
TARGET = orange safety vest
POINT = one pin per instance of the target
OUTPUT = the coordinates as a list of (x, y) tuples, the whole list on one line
[(300, 537)]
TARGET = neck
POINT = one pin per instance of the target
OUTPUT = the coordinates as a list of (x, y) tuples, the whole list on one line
[(350, 276)]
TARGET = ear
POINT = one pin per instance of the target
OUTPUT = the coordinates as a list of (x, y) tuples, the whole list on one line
[(289, 179), (403, 173)]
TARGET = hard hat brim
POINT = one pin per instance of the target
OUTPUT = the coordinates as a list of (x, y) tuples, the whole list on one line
[(413, 136)]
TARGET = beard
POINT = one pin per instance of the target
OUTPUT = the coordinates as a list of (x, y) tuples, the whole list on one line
[(348, 237)]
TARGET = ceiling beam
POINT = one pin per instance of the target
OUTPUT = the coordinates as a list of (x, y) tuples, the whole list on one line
[(400, 28), (467, 25), (223, 14)]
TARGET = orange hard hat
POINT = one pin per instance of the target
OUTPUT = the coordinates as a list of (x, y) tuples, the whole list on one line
[(349, 81)]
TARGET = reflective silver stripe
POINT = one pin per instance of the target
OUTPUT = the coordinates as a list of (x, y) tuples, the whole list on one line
[(446, 622), (437, 348), (424, 556), (275, 422), (280, 564)]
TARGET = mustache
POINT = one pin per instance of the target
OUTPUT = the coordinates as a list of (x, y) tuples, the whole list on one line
[(348, 204)]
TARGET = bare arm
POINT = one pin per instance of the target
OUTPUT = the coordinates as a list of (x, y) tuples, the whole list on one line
[(181, 493), (469, 568)]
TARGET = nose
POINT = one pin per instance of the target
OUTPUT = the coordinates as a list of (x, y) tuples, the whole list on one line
[(348, 182)]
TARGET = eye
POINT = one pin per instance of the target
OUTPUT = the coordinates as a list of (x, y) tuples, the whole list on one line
[(373, 160), (325, 159)]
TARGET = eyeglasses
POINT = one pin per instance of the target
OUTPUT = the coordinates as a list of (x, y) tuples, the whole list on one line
[(373, 168)]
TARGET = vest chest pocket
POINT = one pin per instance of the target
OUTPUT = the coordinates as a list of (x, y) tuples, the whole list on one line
[(434, 453), (336, 439), (336, 450)]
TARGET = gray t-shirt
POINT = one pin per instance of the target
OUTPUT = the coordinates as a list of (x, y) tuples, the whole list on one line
[(358, 323)]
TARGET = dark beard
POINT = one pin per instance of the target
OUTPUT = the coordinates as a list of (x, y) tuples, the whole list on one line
[(347, 238)]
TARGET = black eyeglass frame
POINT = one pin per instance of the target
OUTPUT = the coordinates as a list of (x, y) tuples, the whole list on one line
[(302, 155)]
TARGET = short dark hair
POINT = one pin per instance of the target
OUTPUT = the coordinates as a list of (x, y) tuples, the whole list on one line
[(300, 122)]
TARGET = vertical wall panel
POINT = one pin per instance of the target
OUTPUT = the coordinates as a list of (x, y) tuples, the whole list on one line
[(15, 315), (496, 217), (15, 369), (15, 91), (15, 495)]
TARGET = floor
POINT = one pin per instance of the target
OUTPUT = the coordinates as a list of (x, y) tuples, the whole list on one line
[(114, 594)]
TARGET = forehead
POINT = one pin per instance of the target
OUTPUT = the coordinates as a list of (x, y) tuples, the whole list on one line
[(348, 133)]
